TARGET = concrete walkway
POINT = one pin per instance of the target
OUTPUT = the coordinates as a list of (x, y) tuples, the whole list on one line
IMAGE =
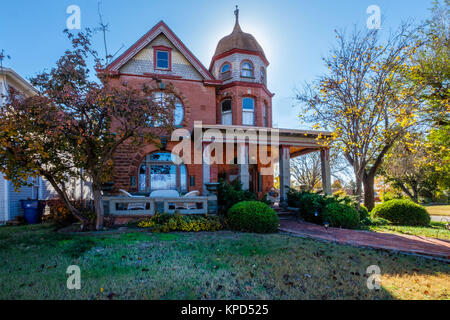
[(396, 242)]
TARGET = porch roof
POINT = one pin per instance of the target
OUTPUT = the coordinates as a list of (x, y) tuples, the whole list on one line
[(300, 142)]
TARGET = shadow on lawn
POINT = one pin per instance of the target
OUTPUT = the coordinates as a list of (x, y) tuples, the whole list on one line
[(221, 265)]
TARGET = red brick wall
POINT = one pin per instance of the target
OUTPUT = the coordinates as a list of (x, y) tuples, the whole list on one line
[(199, 103), (237, 93)]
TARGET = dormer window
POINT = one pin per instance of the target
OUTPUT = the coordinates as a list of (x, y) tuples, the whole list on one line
[(247, 70), (162, 56), (225, 71)]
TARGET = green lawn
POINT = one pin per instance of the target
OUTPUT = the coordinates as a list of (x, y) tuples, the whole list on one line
[(439, 210), (221, 265), (436, 230)]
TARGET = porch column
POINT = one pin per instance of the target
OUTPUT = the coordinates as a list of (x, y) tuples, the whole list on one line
[(326, 171), (285, 173), (244, 175), (206, 169)]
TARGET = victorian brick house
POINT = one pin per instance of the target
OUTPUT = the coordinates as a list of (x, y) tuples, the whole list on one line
[(232, 93)]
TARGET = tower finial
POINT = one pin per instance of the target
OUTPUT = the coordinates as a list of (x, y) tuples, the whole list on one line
[(236, 13)]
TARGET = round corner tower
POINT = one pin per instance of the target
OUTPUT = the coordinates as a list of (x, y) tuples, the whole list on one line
[(241, 64)]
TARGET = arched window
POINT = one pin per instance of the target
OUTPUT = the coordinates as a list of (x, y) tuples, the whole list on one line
[(227, 114), (247, 70), (225, 71), (159, 171), (264, 114), (178, 113), (248, 111), (263, 76)]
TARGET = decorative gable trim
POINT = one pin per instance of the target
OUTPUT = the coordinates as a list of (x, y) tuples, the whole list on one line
[(160, 28)]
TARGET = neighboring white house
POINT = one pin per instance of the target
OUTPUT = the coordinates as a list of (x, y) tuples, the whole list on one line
[(9, 198), (10, 206)]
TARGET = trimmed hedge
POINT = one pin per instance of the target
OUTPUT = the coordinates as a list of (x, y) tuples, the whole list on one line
[(402, 212), (253, 216), (163, 223), (341, 215)]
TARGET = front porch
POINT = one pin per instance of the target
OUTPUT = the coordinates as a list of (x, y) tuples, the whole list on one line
[(289, 144), (250, 154)]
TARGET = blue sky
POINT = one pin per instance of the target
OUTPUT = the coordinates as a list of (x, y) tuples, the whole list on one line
[(294, 34)]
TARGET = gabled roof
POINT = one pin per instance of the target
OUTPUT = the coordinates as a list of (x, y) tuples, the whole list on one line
[(160, 28), (14, 79)]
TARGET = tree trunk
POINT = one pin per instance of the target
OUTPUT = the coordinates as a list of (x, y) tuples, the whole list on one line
[(358, 192), (369, 197), (74, 211), (98, 203)]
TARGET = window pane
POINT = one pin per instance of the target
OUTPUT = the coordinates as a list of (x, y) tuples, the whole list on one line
[(265, 115), (225, 68), (248, 104), (226, 106), (247, 118), (143, 178), (178, 114), (162, 59), (247, 73), (227, 118), (183, 178), (163, 177), (247, 69), (163, 157), (162, 99)]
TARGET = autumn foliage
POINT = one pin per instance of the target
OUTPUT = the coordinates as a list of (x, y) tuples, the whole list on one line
[(76, 121)]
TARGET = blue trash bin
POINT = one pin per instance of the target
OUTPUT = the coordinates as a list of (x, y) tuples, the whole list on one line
[(32, 211)]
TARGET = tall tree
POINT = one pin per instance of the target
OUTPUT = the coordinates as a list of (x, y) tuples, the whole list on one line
[(363, 99), (431, 65), (431, 70), (406, 167), (307, 171), (76, 122)]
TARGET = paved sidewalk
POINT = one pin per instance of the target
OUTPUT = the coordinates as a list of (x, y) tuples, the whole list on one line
[(403, 243)]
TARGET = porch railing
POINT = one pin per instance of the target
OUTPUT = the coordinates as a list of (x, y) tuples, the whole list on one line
[(121, 206)]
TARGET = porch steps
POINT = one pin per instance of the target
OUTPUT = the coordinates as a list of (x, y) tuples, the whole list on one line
[(284, 214)]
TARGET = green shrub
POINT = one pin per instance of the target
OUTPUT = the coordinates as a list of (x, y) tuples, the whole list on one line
[(313, 208), (163, 223), (309, 204), (379, 222), (388, 196), (253, 216), (339, 214), (363, 212), (402, 212), (228, 194)]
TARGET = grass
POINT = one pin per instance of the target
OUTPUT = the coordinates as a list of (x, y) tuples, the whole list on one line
[(221, 265), (439, 210), (436, 230)]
